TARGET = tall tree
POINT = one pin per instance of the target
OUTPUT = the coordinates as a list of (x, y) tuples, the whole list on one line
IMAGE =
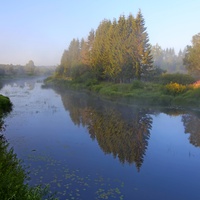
[(116, 59), (144, 57), (192, 56), (157, 54), (122, 30), (30, 67), (86, 48), (70, 58), (100, 50), (131, 46)]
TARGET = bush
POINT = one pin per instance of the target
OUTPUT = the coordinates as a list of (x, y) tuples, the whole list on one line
[(5, 104), (87, 78), (183, 79), (175, 88), (78, 71)]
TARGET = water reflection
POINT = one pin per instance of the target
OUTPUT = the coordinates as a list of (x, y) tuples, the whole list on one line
[(191, 123), (119, 130), (73, 165), (23, 82)]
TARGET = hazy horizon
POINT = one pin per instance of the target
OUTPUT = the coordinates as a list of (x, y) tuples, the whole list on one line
[(41, 30)]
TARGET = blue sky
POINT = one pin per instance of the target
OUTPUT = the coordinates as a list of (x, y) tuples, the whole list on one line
[(40, 30)]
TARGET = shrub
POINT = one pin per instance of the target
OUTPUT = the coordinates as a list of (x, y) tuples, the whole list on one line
[(78, 71), (5, 104), (87, 77), (183, 79), (175, 88)]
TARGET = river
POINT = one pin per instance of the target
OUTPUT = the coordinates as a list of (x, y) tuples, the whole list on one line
[(88, 148)]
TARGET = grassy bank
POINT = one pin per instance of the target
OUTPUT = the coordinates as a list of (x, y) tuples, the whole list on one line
[(165, 93)]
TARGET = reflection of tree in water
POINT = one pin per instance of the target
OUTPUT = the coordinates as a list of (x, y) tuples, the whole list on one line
[(126, 139), (19, 83), (119, 130), (192, 126)]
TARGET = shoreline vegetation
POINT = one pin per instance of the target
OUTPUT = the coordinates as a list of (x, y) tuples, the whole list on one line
[(168, 90), (5, 105)]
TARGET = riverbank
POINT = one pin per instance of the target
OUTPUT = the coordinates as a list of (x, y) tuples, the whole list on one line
[(140, 93)]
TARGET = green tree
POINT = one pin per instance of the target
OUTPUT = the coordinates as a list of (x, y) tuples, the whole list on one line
[(144, 58), (158, 55), (122, 30), (30, 68), (70, 58), (85, 57), (86, 48), (64, 66), (192, 56), (100, 50), (131, 47), (179, 61)]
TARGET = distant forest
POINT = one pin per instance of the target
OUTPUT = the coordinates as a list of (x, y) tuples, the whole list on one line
[(29, 69), (119, 51), (168, 60)]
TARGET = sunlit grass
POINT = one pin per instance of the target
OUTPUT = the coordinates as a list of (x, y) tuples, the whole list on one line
[(181, 93)]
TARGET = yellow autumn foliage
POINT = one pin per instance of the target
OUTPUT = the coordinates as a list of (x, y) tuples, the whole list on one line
[(175, 88)]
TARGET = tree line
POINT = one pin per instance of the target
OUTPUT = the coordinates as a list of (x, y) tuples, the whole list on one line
[(192, 56), (28, 69), (167, 60), (187, 61), (117, 51)]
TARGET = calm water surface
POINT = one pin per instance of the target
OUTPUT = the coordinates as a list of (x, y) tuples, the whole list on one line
[(87, 148)]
